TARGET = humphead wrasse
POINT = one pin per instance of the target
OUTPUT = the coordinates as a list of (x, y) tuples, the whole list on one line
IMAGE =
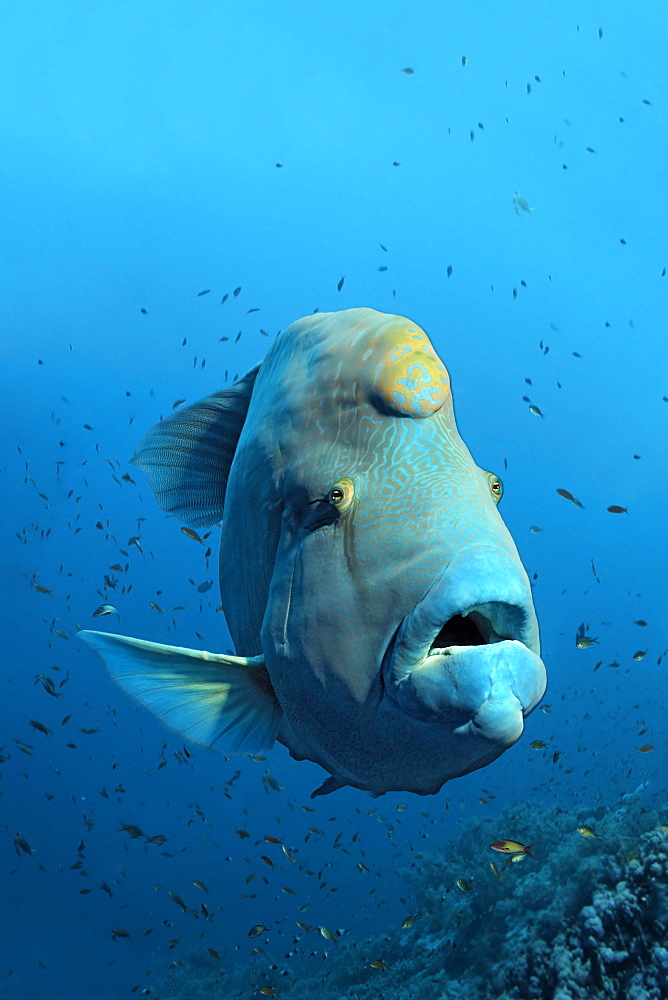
[(383, 619)]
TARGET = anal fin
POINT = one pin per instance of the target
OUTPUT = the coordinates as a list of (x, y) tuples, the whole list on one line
[(330, 784)]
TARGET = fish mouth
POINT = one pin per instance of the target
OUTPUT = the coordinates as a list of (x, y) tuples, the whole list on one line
[(479, 625), (470, 665)]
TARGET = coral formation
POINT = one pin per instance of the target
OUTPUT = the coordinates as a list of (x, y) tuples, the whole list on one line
[(587, 919)]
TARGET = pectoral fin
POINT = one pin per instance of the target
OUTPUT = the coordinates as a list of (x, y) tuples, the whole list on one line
[(224, 702)]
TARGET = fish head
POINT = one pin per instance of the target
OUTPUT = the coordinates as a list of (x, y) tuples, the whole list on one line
[(399, 632)]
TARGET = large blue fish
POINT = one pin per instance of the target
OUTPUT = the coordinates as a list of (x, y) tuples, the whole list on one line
[(384, 617)]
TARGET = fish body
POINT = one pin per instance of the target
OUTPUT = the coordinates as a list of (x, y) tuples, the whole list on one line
[(104, 609), (520, 204), (511, 847), (383, 619), (584, 641)]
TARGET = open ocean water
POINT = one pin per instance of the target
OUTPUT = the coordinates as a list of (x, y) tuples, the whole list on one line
[(180, 182)]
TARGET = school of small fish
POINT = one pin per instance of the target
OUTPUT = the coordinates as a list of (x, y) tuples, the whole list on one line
[(297, 869)]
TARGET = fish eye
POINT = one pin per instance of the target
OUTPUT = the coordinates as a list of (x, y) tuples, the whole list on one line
[(341, 494), (496, 486)]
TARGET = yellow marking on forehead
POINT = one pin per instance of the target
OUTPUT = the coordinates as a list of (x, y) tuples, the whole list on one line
[(403, 372)]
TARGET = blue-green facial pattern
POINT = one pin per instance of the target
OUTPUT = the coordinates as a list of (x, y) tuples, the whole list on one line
[(371, 566), (382, 619)]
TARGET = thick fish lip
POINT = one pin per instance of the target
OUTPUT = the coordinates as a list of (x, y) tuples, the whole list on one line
[(454, 613), (470, 661)]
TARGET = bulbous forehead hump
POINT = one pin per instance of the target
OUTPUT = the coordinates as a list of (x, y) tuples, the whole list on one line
[(395, 366)]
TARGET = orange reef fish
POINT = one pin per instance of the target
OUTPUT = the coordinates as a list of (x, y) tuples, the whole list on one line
[(512, 847), (383, 619)]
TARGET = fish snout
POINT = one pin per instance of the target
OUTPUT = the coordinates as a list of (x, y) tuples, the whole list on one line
[(477, 693)]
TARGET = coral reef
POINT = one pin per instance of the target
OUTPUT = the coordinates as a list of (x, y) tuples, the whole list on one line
[(586, 919)]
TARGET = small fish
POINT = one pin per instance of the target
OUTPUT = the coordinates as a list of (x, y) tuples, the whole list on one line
[(586, 831), (256, 930), (496, 870), (326, 933), (584, 641), (408, 71), (132, 830), (647, 748), (268, 991), (615, 509), (640, 654), (377, 964), (535, 529), (214, 954), (569, 496), (536, 412), (512, 847), (21, 845), (641, 622), (178, 900), (199, 885), (156, 607), (104, 609), (288, 855), (178, 402), (204, 291), (36, 724), (464, 60), (191, 533), (119, 932), (409, 921), (340, 284), (538, 745), (520, 204), (271, 840), (463, 885), (516, 857)]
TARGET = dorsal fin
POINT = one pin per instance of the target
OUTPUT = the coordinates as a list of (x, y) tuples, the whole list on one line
[(188, 456)]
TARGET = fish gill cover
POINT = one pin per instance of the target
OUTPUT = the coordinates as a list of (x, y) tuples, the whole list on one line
[(178, 187)]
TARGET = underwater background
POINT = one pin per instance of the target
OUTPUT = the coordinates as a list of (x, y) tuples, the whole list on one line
[(180, 181)]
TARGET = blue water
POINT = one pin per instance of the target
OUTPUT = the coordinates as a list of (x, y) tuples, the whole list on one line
[(140, 145)]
